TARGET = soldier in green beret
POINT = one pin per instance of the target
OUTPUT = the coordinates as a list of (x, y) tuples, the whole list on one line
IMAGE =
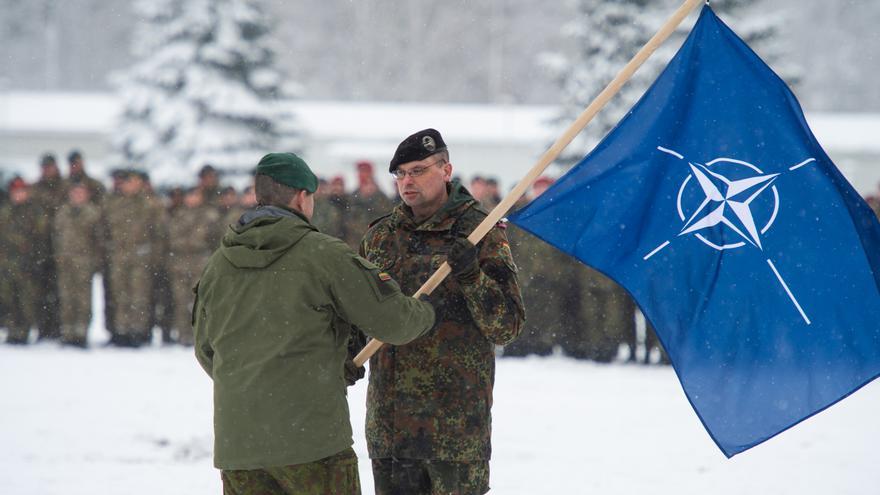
[(275, 311)]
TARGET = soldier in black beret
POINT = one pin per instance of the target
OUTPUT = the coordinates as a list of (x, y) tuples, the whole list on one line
[(428, 405)]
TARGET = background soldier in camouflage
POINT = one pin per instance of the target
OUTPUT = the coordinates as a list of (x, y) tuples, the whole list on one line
[(546, 278), (229, 210), (365, 204), (429, 402), (328, 215), (193, 235), (77, 175), (137, 239), (340, 201), (23, 224), (50, 192), (605, 319), (78, 242), (209, 183)]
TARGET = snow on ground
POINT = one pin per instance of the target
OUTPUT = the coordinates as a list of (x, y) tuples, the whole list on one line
[(119, 421)]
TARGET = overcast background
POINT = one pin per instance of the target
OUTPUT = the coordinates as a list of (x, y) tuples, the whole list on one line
[(397, 50)]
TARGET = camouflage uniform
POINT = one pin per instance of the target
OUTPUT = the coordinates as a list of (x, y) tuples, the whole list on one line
[(137, 240), (360, 212), (330, 214), (547, 283), (337, 475), (107, 202), (50, 195), (22, 226), (161, 304), (431, 399), (193, 235), (227, 217), (606, 318), (78, 241)]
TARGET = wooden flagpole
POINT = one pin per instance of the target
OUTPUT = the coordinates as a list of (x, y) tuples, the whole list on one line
[(551, 154)]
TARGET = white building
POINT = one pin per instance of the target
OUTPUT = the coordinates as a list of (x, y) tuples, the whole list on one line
[(503, 141)]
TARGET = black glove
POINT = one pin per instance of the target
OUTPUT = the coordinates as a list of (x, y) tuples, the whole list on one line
[(464, 261), (353, 373)]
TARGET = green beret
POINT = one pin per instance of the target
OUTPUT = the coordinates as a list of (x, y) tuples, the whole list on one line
[(288, 169)]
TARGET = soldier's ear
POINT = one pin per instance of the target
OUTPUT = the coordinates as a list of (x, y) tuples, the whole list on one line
[(447, 171)]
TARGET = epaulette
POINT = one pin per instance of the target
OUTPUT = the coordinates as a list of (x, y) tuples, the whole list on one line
[(374, 222)]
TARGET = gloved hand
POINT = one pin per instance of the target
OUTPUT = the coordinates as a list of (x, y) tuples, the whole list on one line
[(353, 373), (464, 261)]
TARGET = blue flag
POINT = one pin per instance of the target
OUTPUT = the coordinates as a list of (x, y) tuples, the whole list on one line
[(713, 204)]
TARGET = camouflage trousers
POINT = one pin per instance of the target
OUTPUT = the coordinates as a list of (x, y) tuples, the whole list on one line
[(21, 304), (608, 319), (131, 281), (75, 293), (337, 475), (184, 275), (427, 477)]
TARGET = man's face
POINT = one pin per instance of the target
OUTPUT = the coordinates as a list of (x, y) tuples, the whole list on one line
[(76, 167), (50, 170), (132, 185), (337, 187), (428, 187), (78, 195), (19, 195), (249, 198), (209, 179), (193, 199)]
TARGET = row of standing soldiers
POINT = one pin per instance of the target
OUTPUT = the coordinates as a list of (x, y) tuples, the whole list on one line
[(60, 231), (150, 249)]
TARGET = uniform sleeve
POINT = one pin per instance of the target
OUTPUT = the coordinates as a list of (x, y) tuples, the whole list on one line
[(372, 301), (494, 298), (204, 351)]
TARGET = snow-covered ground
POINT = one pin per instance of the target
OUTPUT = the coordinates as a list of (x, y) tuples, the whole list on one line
[(114, 421)]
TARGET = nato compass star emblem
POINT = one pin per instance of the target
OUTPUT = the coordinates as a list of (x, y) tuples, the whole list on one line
[(730, 188)]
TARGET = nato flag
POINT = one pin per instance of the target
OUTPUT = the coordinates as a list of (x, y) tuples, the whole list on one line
[(713, 204)]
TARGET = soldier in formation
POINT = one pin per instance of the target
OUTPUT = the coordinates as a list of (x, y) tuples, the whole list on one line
[(193, 234), (78, 239), (137, 241), (23, 224)]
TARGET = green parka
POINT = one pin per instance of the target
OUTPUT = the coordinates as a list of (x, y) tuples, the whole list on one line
[(273, 316)]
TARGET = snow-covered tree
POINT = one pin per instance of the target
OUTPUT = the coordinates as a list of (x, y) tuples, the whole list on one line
[(759, 24), (204, 90), (604, 36)]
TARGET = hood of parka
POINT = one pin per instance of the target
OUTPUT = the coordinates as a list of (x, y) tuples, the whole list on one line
[(263, 235)]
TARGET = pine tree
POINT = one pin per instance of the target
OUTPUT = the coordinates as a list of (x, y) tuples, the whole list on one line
[(204, 90), (605, 36), (760, 29)]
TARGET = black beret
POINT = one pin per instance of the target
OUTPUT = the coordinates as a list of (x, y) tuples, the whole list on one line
[(416, 147)]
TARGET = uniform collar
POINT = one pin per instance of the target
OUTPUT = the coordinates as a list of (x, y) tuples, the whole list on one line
[(444, 218)]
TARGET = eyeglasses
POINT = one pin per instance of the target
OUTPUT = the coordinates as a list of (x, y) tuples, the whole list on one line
[(415, 172)]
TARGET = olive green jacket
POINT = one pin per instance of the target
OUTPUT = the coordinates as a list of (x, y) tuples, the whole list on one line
[(273, 317)]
